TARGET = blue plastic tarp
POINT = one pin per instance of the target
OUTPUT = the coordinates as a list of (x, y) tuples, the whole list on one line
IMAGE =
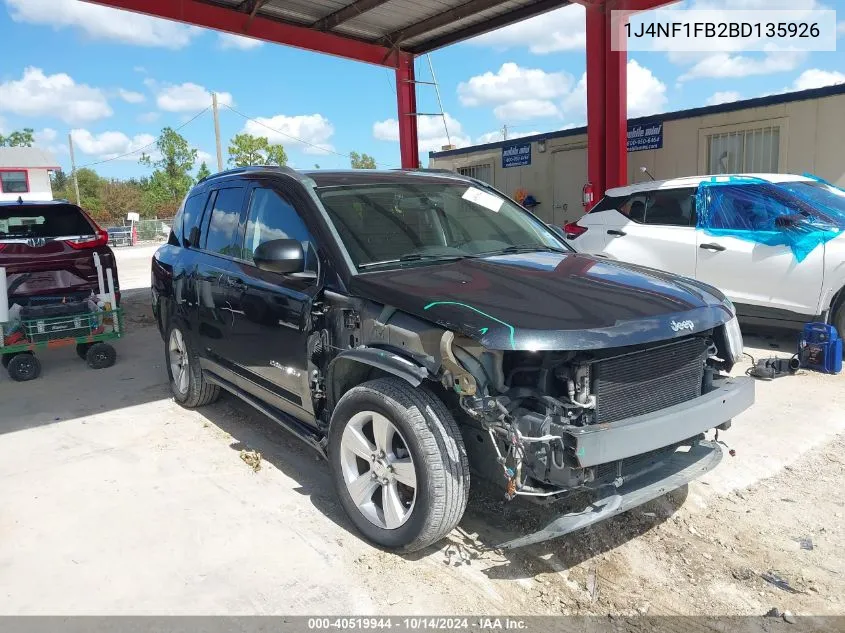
[(799, 215)]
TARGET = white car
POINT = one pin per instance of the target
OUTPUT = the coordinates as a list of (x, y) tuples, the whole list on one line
[(773, 243)]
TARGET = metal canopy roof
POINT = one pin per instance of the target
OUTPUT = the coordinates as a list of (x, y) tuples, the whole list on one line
[(414, 26)]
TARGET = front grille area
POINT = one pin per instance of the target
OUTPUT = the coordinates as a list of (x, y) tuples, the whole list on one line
[(649, 380)]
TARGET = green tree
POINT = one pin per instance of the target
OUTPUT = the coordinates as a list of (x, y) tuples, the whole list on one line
[(316, 166), (18, 138), (246, 149), (58, 181), (119, 197), (203, 171), (362, 161), (171, 178)]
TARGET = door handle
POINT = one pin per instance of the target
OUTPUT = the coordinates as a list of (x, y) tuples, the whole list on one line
[(616, 233), (712, 247)]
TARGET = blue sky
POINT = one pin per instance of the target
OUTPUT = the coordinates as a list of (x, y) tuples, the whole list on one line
[(114, 79)]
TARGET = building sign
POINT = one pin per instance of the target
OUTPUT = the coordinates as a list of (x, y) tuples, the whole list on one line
[(516, 155), (648, 136)]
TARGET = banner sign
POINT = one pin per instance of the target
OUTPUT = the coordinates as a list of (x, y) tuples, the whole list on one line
[(516, 155), (648, 136)]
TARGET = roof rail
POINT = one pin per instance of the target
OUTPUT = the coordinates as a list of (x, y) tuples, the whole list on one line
[(251, 168)]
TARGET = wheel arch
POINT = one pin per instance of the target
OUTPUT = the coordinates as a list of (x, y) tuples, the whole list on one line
[(355, 366)]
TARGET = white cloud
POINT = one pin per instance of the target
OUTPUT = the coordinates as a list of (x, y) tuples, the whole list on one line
[(646, 94), (229, 40), (46, 139), (725, 96), (100, 22), (149, 117), (310, 132), (430, 131), (727, 66), (840, 28), (817, 78), (526, 109), (186, 97), (513, 82), (130, 96), (560, 30), (2, 125), (110, 144), (497, 135), (47, 135), (37, 94), (204, 157)]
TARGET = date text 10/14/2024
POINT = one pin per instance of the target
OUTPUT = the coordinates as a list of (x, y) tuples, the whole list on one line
[(417, 623)]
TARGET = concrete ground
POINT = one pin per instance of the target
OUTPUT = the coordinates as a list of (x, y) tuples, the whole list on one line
[(118, 501)]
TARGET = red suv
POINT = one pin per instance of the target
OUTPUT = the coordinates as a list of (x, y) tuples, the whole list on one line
[(47, 249)]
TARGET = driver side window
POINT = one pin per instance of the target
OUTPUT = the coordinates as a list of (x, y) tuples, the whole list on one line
[(272, 217)]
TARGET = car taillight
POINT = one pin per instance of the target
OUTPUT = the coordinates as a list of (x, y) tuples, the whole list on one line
[(101, 239), (573, 230)]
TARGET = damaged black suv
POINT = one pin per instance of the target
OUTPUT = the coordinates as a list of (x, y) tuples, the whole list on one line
[(415, 326)]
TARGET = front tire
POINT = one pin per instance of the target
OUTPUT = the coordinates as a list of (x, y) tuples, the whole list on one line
[(399, 464), (187, 383)]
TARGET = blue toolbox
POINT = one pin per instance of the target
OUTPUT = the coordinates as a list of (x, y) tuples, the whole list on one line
[(820, 348)]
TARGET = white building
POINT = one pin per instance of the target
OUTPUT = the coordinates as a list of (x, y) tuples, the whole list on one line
[(25, 173)]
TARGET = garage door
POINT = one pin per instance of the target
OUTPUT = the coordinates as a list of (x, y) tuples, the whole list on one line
[(570, 174)]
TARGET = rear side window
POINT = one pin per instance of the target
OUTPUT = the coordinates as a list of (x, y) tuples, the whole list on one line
[(14, 182), (224, 227), (666, 207), (51, 221), (190, 216), (671, 207)]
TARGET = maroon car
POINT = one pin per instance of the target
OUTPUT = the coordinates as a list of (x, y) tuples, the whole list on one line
[(47, 249)]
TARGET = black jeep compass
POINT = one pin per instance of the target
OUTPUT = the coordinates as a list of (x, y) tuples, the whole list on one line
[(414, 327)]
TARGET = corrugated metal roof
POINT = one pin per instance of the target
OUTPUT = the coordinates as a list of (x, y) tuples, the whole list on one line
[(26, 157), (417, 26)]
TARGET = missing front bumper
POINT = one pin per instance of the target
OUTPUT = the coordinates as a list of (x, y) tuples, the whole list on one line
[(678, 469)]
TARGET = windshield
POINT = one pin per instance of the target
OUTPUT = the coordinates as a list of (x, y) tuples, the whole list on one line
[(387, 225), (19, 222), (827, 201)]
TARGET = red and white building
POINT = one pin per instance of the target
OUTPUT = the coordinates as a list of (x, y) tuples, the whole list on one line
[(25, 173)]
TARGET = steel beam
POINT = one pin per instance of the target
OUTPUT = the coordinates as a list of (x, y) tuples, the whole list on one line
[(346, 13), (597, 48), (440, 20), (231, 21), (491, 24), (406, 100)]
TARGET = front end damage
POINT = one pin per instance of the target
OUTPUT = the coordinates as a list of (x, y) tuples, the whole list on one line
[(624, 425)]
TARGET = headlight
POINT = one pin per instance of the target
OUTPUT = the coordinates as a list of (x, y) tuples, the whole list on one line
[(733, 338)]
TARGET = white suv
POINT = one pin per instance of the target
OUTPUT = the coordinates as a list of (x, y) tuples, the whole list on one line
[(749, 251)]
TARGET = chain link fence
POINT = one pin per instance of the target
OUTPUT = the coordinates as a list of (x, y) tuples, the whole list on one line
[(153, 230)]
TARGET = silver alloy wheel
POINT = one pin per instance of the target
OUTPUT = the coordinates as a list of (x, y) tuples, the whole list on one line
[(178, 361), (378, 469)]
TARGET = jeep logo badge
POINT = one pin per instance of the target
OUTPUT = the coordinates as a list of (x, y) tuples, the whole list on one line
[(677, 326)]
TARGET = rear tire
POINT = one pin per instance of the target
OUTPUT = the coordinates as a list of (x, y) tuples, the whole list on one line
[(100, 356), (187, 382), (23, 367), (398, 450)]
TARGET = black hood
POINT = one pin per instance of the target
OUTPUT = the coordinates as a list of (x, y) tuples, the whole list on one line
[(546, 300)]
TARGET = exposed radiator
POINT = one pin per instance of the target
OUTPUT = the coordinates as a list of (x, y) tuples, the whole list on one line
[(650, 380)]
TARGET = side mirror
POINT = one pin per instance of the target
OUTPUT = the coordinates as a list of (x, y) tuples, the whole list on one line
[(280, 256), (785, 222)]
